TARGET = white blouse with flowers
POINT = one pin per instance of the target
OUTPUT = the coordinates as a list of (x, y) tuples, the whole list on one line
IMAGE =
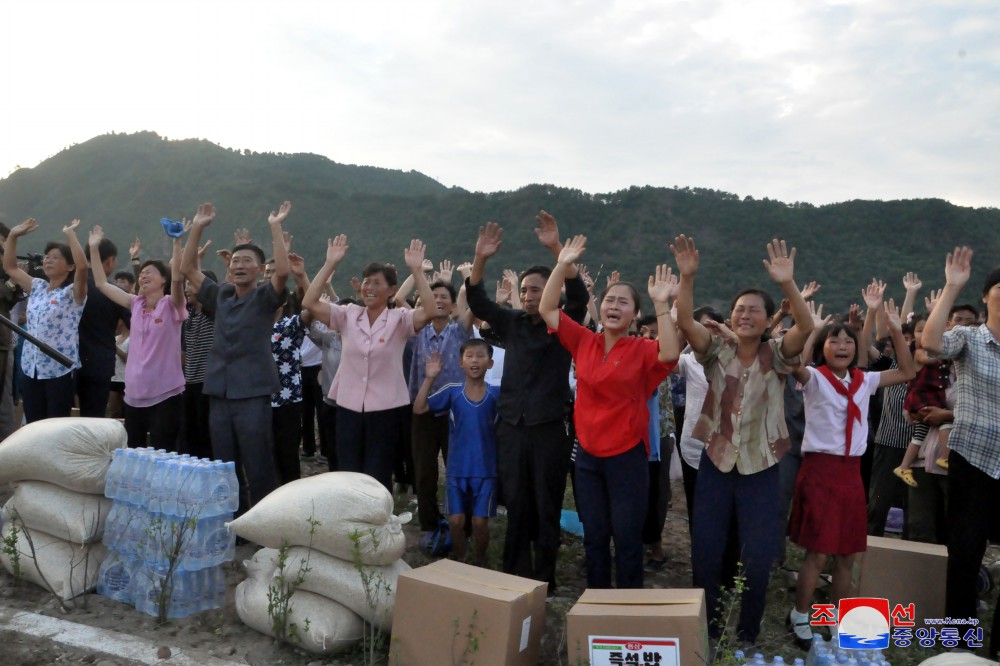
[(54, 318)]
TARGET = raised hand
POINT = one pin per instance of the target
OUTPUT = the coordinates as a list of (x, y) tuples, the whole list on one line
[(911, 282), (780, 264), (296, 265), (572, 250), (873, 294), (685, 255), (202, 218), (958, 266), (414, 256), (427, 266), (445, 272), (464, 269), (785, 308), (489, 240), (931, 301), (892, 315), (286, 238), (810, 290), (510, 277), (614, 277), (721, 330), (96, 234), (71, 227), (547, 230), (134, 248), (336, 248), (588, 281), (663, 285), (242, 237), (504, 290), (225, 255), (356, 286), (279, 217), (203, 249), (433, 366), (854, 318), (816, 312)]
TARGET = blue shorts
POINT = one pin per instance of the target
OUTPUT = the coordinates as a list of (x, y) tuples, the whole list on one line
[(464, 492)]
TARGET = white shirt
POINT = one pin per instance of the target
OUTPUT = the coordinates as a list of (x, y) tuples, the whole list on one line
[(696, 388), (826, 415)]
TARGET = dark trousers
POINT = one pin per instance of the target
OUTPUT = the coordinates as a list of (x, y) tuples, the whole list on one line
[(328, 434), (429, 437), (92, 393), (731, 556), (241, 432), (659, 493), (533, 462), (887, 490), (195, 438), (286, 424), (47, 398), (7, 425), (926, 507), (312, 397), (368, 442), (788, 471), (612, 494), (973, 497), (755, 499), (161, 421), (403, 468)]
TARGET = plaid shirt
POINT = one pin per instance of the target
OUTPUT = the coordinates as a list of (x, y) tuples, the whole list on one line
[(976, 435)]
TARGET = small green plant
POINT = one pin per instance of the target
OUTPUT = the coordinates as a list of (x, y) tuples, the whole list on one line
[(170, 539), (279, 594), (11, 551), (725, 654), (377, 591)]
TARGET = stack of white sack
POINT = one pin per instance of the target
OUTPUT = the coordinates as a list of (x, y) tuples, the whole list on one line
[(343, 558), (57, 468)]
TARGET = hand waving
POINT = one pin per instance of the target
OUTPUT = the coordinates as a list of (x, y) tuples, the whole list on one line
[(663, 286), (685, 255), (780, 264), (489, 240)]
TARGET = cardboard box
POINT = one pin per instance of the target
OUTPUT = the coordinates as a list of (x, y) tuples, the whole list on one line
[(450, 613), (674, 620), (904, 572)]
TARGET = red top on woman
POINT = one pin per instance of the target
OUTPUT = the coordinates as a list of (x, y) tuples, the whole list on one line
[(611, 390)]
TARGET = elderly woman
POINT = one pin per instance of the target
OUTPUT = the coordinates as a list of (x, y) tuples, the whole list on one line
[(55, 305)]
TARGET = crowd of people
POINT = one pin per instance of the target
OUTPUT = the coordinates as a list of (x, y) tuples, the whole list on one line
[(786, 422)]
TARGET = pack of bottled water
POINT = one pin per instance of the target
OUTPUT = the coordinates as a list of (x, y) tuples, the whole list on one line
[(829, 653), (168, 508)]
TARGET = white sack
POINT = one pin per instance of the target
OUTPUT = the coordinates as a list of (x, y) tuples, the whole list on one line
[(68, 515), (69, 570), (74, 453), (343, 503)]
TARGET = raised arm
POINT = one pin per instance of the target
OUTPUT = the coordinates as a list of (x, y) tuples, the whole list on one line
[(661, 288), (548, 235), (872, 295), (957, 268), (816, 312), (912, 285), (548, 305), (907, 370), (686, 257), (431, 370), (403, 292), (336, 248), (177, 299), (414, 257), (281, 265), (780, 265), (189, 258), (20, 277), (80, 261), (100, 279), (486, 246)]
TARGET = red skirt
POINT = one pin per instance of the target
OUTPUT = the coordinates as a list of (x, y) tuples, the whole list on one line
[(829, 513)]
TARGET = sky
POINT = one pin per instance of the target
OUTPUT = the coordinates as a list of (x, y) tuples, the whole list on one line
[(796, 100)]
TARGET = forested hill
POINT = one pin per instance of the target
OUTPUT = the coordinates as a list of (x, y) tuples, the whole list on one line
[(128, 182)]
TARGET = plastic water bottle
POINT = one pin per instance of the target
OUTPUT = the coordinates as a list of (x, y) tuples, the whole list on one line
[(778, 661), (115, 578), (112, 480), (220, 543), (739, 657), (759, 659), (799, 662)]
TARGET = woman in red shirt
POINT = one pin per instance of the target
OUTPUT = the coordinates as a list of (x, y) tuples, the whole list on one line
[(615, 375)]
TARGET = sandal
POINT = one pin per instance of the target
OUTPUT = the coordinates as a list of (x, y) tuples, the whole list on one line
[(942, 463), (801, 631), (906, 475)]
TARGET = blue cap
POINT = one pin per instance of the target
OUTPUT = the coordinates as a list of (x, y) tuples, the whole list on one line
[(173, 229)]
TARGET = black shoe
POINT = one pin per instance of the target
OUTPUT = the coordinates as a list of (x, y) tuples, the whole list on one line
[(804, 644)]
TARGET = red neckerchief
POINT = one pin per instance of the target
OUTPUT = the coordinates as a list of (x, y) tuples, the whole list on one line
[(853, 411)]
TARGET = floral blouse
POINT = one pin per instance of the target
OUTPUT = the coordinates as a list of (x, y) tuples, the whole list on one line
[(54, 318)]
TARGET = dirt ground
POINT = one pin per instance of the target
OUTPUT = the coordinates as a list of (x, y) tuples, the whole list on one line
[(221, 634)]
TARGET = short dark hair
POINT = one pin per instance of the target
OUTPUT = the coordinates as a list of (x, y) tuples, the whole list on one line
[(544, 271), (476, 342), (710, 312), (162, 269), (388, 272), (769, 307), (831, 330), (125, 275), (646, 320), (966, 307), (636, 297), (253, 248), (67, 255), (105, 250), (441, 284)]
